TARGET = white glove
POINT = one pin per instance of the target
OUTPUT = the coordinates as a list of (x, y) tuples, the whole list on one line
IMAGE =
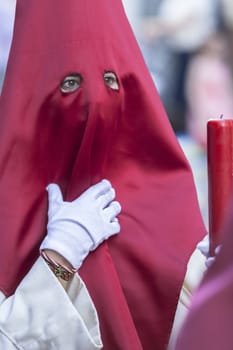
[(76, 228), (204, 246)]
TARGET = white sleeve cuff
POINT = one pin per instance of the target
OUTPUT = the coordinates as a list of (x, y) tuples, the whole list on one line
[(41, 315)]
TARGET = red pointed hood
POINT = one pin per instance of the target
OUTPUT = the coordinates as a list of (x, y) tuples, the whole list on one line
[(82, 137)]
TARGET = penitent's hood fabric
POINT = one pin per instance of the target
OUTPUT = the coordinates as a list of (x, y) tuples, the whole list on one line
[(79, 138)]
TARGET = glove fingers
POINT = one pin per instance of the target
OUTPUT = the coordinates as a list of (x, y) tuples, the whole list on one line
[(210, 261), (115, 228), (203, 246), (96, 190), (54, 196), (217, 249), (102, 187), (106, 198), (112, 211), (54, 193)]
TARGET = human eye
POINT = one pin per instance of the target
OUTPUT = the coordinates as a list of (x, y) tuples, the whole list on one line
[(71, 83), (111, 80)]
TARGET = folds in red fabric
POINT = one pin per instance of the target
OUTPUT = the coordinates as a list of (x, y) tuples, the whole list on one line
[(77, 139)]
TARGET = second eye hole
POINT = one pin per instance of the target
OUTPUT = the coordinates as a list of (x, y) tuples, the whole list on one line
[(71, 83), (111, 80)]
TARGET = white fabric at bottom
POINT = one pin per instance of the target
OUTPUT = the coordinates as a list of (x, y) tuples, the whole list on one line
[(42, 316)]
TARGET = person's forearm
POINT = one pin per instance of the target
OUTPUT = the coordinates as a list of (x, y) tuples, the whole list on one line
[(62, 261)]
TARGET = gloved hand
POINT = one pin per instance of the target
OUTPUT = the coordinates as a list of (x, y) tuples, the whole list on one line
[(203, 246), (76, 228)]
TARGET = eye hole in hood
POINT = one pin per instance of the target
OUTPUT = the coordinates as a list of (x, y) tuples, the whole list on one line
[(71, 83), (110, 80)]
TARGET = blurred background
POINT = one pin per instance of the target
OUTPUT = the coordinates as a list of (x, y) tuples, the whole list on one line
[(188, 48)]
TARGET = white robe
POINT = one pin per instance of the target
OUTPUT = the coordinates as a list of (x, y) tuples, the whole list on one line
[(42, 315)]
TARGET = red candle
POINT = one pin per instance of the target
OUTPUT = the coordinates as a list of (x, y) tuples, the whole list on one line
[(220, 177)]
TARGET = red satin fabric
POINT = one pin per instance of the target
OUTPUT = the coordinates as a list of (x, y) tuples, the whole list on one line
[(75, 140), (209, 322)]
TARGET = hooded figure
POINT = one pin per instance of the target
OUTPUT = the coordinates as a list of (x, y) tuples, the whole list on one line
[(209, 322), (78, 105)]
